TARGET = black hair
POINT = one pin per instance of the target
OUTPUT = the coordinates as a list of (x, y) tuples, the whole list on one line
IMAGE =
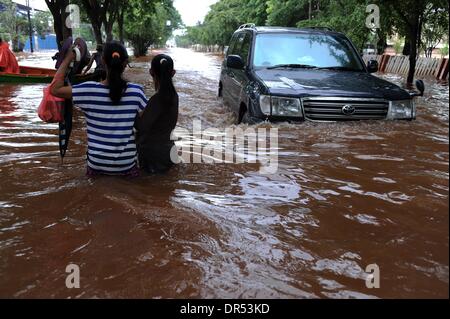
[(116, 58), (1, 40), (100, 48), (162, 67)]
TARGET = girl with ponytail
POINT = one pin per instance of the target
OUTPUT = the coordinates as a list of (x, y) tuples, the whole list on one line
[(155, 125), (111, 108)]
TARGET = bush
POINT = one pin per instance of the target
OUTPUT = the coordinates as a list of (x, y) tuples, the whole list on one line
[(398, 46), (444, 51)]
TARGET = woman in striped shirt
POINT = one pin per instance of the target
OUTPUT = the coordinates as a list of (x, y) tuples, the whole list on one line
[(111, 108)]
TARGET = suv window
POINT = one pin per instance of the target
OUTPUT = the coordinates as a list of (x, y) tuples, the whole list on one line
[(316, 50), (240, 45), (234, 45), (245, 48)]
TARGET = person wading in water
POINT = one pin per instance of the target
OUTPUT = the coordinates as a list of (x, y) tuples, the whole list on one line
[(155, 125), (111, 108)]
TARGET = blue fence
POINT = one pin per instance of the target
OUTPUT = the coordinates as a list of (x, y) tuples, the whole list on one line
[(47, 43)]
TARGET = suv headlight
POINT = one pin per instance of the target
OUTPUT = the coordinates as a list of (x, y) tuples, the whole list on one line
[(402, 110), (265, 104), (280, 106)]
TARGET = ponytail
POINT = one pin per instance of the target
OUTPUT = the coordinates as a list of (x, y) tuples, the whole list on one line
[(163, 67), (115, 56)]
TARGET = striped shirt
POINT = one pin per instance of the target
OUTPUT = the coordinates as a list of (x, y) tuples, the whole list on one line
[(111, 142)]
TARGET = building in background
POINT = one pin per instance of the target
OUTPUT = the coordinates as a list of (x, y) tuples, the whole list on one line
[(42, 35)]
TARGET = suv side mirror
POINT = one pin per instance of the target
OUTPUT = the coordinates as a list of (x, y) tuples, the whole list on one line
[(421, 87), (372, 66), (235, 62)]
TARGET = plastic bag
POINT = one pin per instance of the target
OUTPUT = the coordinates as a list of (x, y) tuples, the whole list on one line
[(51, 109)]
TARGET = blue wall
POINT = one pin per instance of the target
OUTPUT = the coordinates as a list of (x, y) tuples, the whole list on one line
[(49, 43)]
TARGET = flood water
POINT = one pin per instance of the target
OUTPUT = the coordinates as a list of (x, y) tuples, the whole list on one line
[(346, 195)]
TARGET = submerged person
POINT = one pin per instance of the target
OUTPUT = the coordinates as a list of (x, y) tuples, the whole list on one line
[(97, 58), (111, 108), (8, 61), (156, 124)]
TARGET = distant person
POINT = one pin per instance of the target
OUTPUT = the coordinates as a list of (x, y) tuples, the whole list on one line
[(97, 57), (8, 61), (156, 124), (111, 108)]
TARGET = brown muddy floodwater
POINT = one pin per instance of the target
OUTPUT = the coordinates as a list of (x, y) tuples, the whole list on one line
[(346, 195)]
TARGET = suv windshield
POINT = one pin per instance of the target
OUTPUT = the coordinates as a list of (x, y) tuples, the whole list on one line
[(305, 51)]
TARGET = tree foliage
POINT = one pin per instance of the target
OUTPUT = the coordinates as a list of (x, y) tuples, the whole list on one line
[(435, 30), (223, 19), (422, 22), (150, 22), (41, 23), (12, 26), (411, 18), (142, 22)]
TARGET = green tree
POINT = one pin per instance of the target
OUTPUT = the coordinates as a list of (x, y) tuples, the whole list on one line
[(13, 25), (147, 23), (42, 23), (223, 19), (444, 50), (287, 13), (410, 16), (255, 11), (398, 46), (435, 30)]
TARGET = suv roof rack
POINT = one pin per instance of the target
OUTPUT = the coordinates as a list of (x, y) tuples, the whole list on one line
[(320, 28), (247, 26)]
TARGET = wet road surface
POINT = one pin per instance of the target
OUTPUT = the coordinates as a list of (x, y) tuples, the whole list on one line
[(346, 195)]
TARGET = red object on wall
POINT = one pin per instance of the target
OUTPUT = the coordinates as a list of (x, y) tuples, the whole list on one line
[(384, 62), (443, 70)]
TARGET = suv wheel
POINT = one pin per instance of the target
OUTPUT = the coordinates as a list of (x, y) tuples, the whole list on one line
[(220, 90), (243, 115)]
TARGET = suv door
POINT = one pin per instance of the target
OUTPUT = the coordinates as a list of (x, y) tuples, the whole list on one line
[(226, 79), (239, 78)]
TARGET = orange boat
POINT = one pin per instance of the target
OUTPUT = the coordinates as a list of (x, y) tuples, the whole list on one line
[(28, 75), (39, 75)]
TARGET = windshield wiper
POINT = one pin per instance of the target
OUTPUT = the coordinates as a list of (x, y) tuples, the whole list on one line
[(339, 68), (292, 66)]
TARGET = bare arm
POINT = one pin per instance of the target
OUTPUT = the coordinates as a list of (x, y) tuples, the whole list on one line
[(58, 88)]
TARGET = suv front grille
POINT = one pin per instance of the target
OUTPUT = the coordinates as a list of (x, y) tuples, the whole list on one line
[(344, 109)]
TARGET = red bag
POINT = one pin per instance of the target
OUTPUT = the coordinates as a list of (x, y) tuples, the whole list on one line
[(51, 109)]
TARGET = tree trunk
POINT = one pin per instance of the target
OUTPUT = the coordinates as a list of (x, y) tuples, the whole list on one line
[(407, 47), (120, 23), (30, 27), (140, 47), (16, 41), (310, 10), (108, 30), (382, 42), (416, 43), (97, 33), (413, 54), (58, 11), (95, 14)]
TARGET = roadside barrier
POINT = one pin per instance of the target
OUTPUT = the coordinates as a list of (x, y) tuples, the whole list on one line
[(208, 48), (399, 64)]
